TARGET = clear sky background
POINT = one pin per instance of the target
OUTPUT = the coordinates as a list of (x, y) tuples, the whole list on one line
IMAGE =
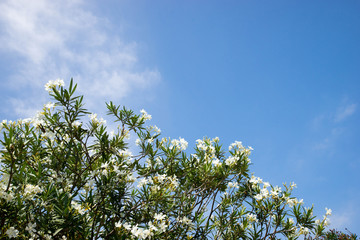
[(281, 76)]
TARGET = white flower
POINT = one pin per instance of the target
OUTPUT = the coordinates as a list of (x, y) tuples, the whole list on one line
[(275, 191), (3, 124), (259, 197), (155, 188), (294, 201), (233, 184), (145, 233), (105, 165), (328, 211), (326, 222), (291, 221), (53, 84), (77, 207), (159, 216), (304, 230), (118, 224), (158, 160), (251, 217), (291, 202), (23, 121), (59, 82), (255, 180), (12, 232), (95, 120), (143, 182), (216, 162), (236, 144), (48, 237), (38, 119), (186, 221), (230, 160), (50, 105), (134, 230), (137, 232), (152, 227), (239, 148), (181, 144), (264, 192), (30, 227), (145, 115), (89, 184), (127, 226), (48, 135), (200, 144), (266, 184), (160, 178), (174, 181), (162, 227), (130, 178), (7, 196), (31, 190), (157, 130), (76, 124), (125, 153)]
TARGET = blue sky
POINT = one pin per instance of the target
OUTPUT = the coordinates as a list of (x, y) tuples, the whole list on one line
[(280, 76)]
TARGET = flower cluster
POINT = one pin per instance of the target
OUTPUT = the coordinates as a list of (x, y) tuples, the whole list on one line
[(31, 190), (94, 120), (145, 115), (238, 147), (49, 86), (180, 144)]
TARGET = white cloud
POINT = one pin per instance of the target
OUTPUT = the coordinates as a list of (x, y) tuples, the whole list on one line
[(345, 112), (344, 217), (61, 38), (330, 141), (318, 121), (339, 221), (329, 123), (26, 108)]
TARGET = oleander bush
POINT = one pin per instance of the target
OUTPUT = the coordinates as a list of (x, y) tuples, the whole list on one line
[(65, 174)]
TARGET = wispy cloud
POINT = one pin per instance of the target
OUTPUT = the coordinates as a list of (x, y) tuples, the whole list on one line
[(344, 217), (345, 112), (330, 140), (331, 126), (341, 220), (53, 38)]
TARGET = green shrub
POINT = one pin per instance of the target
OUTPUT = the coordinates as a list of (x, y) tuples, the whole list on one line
[(64, 176)]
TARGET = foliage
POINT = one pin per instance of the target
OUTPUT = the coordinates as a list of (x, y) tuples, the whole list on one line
[(65, 177), (337, 235)]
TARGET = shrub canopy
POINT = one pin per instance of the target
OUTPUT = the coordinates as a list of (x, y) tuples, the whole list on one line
[(67, 176)]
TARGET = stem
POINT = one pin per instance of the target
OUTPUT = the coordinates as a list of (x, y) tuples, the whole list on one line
[(11, 171)]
